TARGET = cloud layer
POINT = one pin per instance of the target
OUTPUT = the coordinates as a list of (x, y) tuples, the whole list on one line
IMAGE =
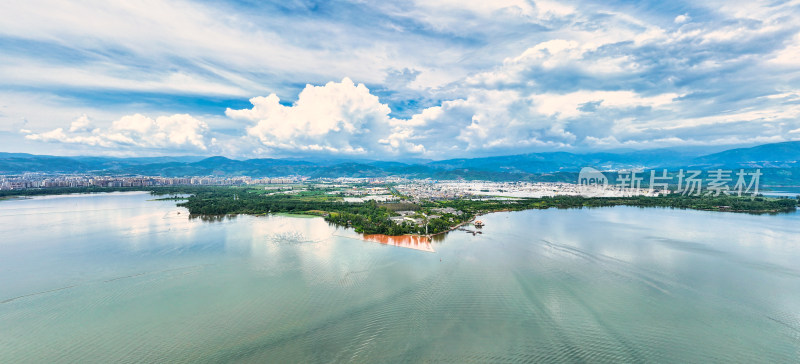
[(433, 79)]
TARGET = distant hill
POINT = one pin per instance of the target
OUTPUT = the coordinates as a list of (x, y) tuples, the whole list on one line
[(776, 155), (23, 162), (221, 166), (11, 163), (570, 162), (782, 159)]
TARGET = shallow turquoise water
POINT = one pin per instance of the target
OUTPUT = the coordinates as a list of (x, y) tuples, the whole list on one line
[(117, 278)]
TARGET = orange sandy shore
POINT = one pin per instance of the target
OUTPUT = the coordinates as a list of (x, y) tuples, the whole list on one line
[(416, 242)]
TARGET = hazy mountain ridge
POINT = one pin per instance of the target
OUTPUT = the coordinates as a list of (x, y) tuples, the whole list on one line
[(783, 157), (776, 155)]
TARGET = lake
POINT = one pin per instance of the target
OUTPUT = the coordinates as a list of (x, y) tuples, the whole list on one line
[(120, 278)]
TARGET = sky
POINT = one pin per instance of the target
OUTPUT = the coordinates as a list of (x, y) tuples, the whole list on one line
[(395, 80)]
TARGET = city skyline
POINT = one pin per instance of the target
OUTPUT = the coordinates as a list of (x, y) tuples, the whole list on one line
[(395, 80)]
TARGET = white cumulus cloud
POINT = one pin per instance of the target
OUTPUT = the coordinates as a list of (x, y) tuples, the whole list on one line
[(486, 120), (81, 124), (572, 104), (337, 118), (176, 132), (683, 18)]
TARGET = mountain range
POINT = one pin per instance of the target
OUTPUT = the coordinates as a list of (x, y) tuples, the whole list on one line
[(783, 159)]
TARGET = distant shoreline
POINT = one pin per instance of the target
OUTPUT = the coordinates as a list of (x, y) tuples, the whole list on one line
[(15, 198)]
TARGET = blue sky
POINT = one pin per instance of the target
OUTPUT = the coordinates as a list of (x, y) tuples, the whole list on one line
[(396, 79)]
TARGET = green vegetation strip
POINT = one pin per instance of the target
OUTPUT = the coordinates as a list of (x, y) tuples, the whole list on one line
[(421, 218)]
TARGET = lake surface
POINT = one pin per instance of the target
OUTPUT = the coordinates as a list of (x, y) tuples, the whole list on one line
[(118, 278)]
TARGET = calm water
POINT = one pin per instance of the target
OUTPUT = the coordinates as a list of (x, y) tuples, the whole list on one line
[(118, 278)]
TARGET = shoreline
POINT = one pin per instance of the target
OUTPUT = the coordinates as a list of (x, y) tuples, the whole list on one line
[(471, 221), (765, 206), (484, 213), (749, 212), (10, 198), (451, 228)]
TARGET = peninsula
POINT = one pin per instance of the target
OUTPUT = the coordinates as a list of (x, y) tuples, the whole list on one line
[(417, 209), (392, 213)]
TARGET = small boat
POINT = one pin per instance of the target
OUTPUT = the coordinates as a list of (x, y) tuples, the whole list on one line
[(478, 224)]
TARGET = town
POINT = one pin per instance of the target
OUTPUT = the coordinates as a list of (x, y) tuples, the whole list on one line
[(354, 189), (40, 180)]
